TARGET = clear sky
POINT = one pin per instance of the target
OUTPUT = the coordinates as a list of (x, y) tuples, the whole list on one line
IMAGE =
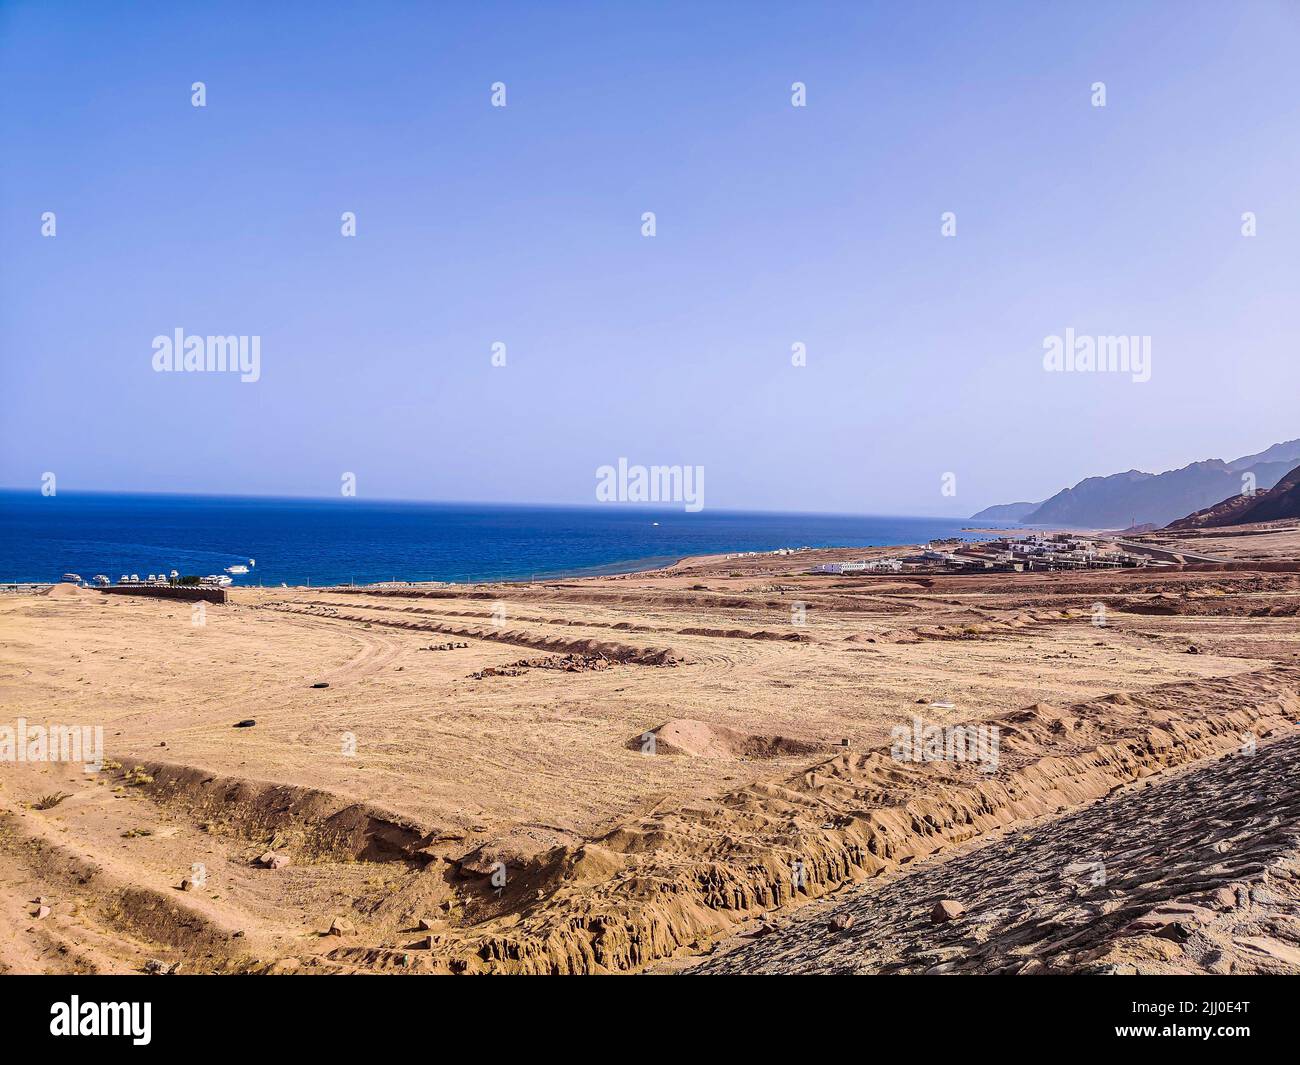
[(775, 225)]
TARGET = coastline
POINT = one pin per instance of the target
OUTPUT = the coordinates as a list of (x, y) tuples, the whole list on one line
[(461, 730), (310, 543)]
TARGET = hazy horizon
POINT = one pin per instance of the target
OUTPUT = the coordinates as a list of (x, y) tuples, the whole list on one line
[(776, 225), (543, 503)]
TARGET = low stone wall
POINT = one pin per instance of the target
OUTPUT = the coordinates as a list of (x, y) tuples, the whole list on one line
[(186, 593)]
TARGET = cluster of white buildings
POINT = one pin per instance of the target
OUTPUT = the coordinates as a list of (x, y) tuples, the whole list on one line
[(1008, 553), (1061, 551), (875, 565), (774, 551)]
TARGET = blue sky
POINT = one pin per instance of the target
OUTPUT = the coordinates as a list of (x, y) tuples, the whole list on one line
[(522, 224)]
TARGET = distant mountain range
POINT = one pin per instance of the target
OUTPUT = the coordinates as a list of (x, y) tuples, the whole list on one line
[(1135, 497), (1280, 501), (1006, 512)]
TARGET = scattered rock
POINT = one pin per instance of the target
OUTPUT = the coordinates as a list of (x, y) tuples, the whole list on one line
[(154, 967), (946, 910), (272, 860), (187, 883), (1172, 921), (841, 922), (248, 722), (41, 912), (321, 684), (341, 926), (427, 925)]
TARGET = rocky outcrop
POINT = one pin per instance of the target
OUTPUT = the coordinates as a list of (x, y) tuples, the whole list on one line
[(1280, 501)]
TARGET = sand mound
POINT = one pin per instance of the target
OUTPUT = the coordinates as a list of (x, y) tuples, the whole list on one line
[(67, 591), (698, 739), (743, 634)]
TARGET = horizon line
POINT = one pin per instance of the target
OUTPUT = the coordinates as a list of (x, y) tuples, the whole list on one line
[(346, 500)]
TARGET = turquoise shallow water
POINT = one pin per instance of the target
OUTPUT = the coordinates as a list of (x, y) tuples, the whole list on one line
[(300, 541)]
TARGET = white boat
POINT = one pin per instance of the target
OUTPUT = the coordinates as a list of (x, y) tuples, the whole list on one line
[(101, 580), (237, 568), (72, 578)]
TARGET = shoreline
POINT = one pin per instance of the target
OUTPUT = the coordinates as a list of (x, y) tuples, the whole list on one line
[(456, 728), (752, 560), (311, 543), (626, 568)]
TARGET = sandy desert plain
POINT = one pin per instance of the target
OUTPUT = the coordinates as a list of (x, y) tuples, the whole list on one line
[(475, 791)]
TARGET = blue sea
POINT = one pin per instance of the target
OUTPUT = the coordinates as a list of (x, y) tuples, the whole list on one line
[(320, 541)]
